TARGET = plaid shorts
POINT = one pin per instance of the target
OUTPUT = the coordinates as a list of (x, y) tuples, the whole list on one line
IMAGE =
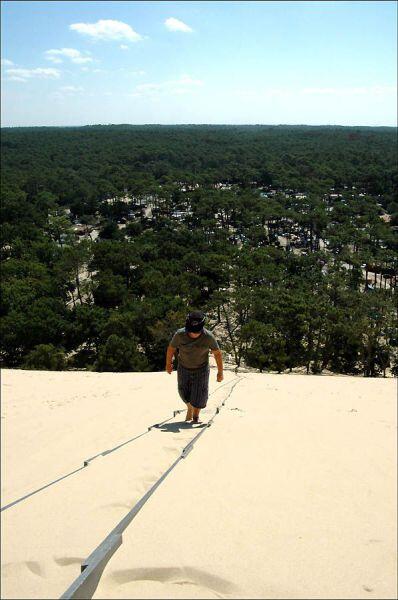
[(193, 386)]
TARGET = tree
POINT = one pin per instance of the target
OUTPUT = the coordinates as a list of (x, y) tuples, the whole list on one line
[(243, 255), (45, 357), (73, 264), (266, 347), (109, 290), (119, 354)]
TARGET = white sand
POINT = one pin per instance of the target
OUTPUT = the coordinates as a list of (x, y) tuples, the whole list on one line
[(290, 493)]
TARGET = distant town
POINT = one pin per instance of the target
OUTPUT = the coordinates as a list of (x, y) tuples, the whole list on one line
[(285, 234)]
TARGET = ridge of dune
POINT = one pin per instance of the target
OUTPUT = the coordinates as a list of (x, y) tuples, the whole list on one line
[(290, 494)]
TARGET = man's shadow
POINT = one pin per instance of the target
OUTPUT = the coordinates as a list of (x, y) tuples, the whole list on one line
[(178, 426)]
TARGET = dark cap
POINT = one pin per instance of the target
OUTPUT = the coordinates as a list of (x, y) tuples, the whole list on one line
[(195, 321)]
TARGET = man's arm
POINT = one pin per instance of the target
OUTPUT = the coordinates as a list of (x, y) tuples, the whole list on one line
[(218, 356), (169, 359)]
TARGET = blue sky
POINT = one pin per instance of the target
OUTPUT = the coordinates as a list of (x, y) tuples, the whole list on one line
[(318, 63)]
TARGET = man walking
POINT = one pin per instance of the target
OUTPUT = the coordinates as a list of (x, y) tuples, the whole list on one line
[(192, 344)]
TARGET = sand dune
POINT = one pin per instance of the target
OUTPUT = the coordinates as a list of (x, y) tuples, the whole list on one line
[(289, 494)]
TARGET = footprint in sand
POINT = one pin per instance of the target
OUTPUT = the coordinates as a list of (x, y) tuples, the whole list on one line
[(171, 450), (178, 576), (65, 561), (34, 567), (116, 505)]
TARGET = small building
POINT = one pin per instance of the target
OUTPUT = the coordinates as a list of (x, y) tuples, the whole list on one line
[(179, 214)]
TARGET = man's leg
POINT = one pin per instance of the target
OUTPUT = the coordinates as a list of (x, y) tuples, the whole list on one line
[(200, 392), (184, 389), (196, 412), (190, 412)]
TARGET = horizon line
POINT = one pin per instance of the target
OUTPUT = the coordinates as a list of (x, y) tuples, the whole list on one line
[(195, 125)]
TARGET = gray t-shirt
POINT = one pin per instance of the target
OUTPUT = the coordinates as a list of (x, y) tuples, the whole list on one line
[(193, 353)]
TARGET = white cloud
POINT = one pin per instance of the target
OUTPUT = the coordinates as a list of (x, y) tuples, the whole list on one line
[(384, 89), (174, 24), (6, 63), (148, 87), (184, 85), (332, 91), (126, 71), (124, 47), (315, 92), (66, 92), (57, 55), (264, 93), (71, 89), (187, 80), (19, 74), (107, 29), (350, 91)]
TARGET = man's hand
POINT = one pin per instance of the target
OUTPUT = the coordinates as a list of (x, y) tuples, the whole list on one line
[(169, 359), (218, 356)]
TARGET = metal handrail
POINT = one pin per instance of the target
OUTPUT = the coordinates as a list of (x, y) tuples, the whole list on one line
[(104, 453)]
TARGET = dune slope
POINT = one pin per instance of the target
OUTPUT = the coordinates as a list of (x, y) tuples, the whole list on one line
[(289, 494)]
